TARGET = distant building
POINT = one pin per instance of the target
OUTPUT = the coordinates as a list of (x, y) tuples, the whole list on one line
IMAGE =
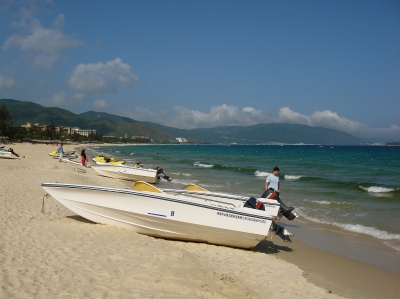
[(30, 126), (181, 140), (84, 132), (61, 129)]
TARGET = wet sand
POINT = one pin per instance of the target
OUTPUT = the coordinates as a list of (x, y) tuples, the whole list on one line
[(57, 254)]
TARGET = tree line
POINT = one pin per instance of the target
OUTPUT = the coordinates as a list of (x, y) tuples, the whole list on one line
[(50, 133)]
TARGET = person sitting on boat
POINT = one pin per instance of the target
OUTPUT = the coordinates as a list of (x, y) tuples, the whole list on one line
[(272, 181)]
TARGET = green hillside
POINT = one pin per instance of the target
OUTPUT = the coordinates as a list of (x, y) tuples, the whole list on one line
[(109, 124), (264, 133), (23, 112), (97, 116)]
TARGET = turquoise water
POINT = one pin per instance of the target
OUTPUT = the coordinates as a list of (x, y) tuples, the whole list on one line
[(350, 188)]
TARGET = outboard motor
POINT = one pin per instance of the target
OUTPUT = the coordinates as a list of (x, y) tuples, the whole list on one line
[(286, 211), (161, 174), (12, 152), (253, 203)]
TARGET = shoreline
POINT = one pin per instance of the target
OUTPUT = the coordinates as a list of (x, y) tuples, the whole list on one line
[(337, 274), (343, 248), (354, 246), (57, 252)]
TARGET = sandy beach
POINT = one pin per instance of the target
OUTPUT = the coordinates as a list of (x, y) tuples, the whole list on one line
[(57, 254)]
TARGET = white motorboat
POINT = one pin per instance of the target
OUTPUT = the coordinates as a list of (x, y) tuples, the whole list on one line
[(131, 173), (196, 216), (6, 155)]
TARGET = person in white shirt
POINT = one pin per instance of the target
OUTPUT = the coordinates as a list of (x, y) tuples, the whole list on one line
[(60, 151), (272, 181)]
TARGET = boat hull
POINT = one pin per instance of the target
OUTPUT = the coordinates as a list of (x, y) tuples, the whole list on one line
[(6, 155), (166, 216), (74, 156), (127, 173)]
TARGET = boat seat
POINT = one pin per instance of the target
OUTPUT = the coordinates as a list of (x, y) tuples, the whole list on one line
[(143, 186), (193, 187)]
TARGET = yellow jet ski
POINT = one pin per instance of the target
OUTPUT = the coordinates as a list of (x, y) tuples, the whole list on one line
[(107, 160)]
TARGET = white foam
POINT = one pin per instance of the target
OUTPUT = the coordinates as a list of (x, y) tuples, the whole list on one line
[(372, 231), (321, 202), (181, 174), (292, 177), (375, 189), (395, 247), (357, 228), (325, 202), (185, 182), (261, 173), (203, 165)]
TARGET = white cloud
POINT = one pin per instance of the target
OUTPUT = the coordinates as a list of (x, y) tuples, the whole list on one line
[(101, 78), (100, 105), (393, 131), (44, 45), (7, 83), (58, 99), (223, 115), (226, 115), (78, 97), (326, 119), (289, 116)]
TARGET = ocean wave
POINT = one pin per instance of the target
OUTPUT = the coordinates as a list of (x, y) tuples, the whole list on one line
[(394, 246), (203, 165), (321, 202), (292, 177), (372, 231), (261, 173), (325, 202), (241, 169), (185, 182), (376, 189), (181, 174), (357, 228)]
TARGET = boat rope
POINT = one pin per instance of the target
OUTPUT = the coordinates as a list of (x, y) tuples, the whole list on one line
[(47, 195)]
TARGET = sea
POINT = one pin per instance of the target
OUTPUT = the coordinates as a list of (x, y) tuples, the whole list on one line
[(348, 197)]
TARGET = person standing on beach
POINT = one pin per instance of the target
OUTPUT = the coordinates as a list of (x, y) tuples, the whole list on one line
[(60, 151), (272, 181), (83, 155)]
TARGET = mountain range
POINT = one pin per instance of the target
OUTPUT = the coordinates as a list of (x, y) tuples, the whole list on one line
[(114, 125)]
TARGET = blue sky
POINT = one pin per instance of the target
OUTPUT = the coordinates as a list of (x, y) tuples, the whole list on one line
[(191, 64)]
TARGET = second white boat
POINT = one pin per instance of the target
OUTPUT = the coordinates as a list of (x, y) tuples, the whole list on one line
[(131, 173)]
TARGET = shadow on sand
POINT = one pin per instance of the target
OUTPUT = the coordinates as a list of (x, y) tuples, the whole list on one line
[(80, 219), (268, 247)]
